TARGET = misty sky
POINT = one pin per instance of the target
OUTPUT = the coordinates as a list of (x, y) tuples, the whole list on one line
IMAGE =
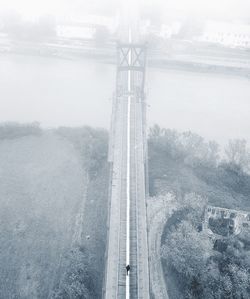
[(229, 9)]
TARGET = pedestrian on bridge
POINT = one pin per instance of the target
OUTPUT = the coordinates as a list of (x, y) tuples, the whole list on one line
[(127, 268)]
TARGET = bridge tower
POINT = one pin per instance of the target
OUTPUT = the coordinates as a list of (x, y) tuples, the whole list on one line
[(127, 236)]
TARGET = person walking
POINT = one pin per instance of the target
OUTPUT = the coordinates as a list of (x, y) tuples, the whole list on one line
[(127, 268)]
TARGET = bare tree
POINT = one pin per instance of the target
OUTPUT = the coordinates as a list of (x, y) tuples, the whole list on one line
[(238, 154)]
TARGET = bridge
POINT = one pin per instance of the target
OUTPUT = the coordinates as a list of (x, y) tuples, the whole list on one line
[(127, 235)]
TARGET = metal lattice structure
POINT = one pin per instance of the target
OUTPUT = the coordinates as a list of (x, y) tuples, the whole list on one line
[(138, 56)]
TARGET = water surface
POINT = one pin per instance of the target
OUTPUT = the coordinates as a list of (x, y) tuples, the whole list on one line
[(78, 92)]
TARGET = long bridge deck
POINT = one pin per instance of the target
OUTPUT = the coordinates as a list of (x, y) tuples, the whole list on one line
[(127, 228)]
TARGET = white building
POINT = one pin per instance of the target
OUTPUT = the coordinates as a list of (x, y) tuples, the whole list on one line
[(227, 34), (75, 32), (85, 28), (164, 31)]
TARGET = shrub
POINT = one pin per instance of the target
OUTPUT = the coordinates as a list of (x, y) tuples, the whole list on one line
[(12, 130)]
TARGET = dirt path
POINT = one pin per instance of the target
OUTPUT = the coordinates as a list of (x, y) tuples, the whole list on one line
[(158, 211)]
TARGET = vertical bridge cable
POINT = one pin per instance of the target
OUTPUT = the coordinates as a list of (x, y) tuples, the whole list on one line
[(128, 173)]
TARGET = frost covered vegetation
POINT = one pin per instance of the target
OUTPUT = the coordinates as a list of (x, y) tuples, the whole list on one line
[(48, 178), (199, 266), (196, 266), (184, 163), (14, 130), (53, 198)]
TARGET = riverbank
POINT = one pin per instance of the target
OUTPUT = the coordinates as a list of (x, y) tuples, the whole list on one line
[(194, 65), (210, 60)]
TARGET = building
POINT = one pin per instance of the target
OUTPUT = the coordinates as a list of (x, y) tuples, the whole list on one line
[(164, 31), (86, 27), (233, 35)]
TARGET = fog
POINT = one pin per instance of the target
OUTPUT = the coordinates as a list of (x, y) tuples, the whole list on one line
[(56, 92), (100, 197), (223, 9), (60, 92)]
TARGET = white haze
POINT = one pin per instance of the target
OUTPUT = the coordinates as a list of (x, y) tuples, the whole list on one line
[(27, 93), (224, 9)]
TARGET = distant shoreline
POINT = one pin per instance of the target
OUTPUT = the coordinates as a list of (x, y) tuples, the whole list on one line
[(107, 55)]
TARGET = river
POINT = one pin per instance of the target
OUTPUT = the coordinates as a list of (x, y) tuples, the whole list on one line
[(72, 92)]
